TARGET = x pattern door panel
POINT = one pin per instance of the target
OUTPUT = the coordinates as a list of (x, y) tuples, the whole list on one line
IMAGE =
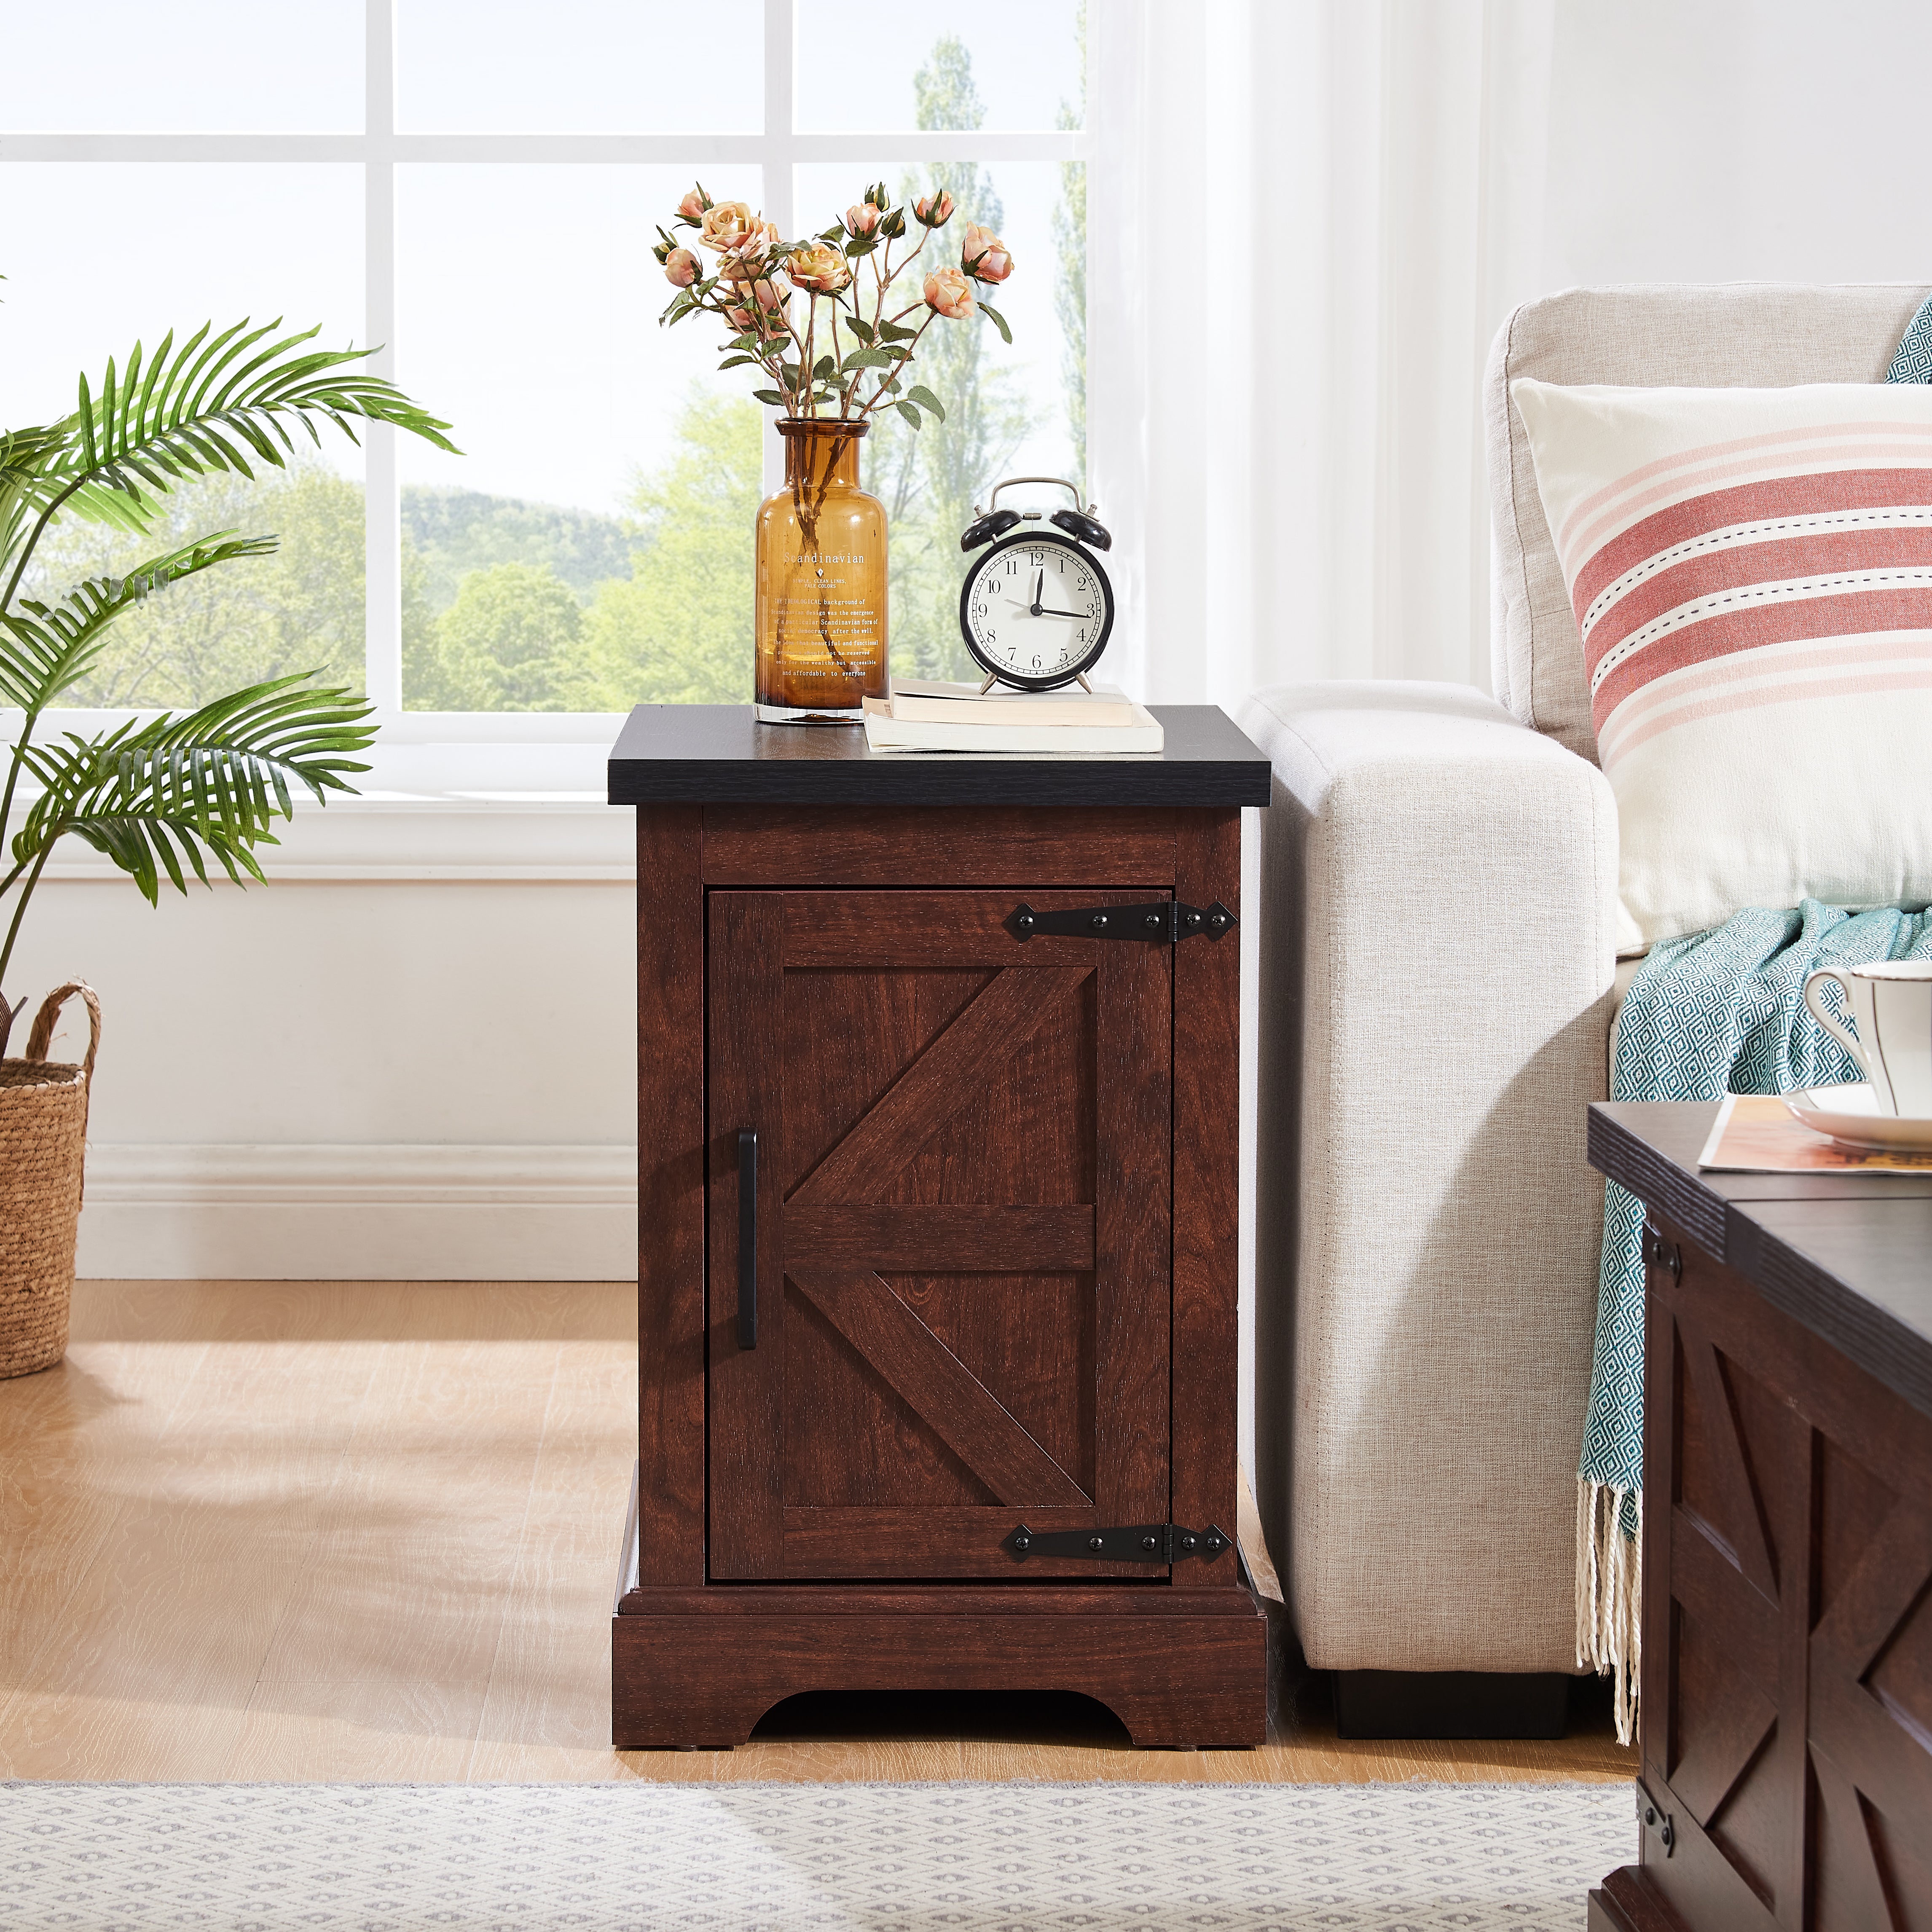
[(1790, 1729), (964, 1233)]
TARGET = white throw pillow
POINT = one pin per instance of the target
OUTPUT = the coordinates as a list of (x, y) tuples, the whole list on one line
[(1751, 574)]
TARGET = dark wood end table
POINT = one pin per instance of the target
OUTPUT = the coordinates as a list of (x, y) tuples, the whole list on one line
[(1787, 1676), (938, 1125)]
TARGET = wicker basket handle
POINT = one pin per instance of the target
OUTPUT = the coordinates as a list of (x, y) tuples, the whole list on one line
[(42, 1035)]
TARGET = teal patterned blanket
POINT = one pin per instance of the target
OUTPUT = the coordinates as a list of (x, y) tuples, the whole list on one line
[(1717, 1013)]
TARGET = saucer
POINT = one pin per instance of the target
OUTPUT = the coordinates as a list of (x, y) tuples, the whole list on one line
[(1850, 1115)]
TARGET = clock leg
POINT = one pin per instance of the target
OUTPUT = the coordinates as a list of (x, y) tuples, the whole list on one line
[(1083, 684), (992, 679)]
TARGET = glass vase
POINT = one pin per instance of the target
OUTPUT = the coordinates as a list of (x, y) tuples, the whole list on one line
[(820, 612)]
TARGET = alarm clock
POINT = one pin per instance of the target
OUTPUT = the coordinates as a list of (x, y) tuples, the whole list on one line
[(1036, 610)]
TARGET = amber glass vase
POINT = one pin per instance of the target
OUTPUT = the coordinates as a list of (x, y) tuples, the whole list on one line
[(821, 582)]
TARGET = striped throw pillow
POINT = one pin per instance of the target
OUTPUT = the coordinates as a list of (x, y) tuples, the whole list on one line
[(1751, 574)]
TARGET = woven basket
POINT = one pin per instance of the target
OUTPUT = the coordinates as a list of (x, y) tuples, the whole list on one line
[(42, 1149)]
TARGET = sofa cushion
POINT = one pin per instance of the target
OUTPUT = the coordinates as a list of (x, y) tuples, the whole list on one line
[(1751, 574), (1755, 335)]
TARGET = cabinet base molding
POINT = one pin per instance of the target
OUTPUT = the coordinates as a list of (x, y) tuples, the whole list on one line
[(697, 1669), (1626, 1902)]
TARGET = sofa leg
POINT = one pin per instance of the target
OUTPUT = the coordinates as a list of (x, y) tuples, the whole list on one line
[(1451, 1704)]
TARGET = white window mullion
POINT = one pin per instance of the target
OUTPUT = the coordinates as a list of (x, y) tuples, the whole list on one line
[(383, 503), (778, 155)]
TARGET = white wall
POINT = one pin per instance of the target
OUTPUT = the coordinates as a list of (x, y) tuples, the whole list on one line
[(408, 1057)]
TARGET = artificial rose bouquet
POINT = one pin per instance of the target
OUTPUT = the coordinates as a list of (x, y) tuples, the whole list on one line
[(845, 364)]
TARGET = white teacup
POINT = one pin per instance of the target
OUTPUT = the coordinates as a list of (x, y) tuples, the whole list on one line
[(1891, 1005)]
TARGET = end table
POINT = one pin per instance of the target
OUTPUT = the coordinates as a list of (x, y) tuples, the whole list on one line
[(938, 1065)]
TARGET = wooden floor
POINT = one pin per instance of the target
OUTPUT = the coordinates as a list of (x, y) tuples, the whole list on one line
[(286, 1531)]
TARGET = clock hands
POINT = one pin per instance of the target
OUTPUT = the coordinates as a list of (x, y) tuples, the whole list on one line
[(1037, 609)]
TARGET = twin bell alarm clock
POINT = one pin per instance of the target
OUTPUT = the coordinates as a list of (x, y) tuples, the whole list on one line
[(1036, 608)]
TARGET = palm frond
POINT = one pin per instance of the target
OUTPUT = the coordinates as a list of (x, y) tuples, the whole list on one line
[(218, 402), (201, 404), (150, 796), (46, 649)]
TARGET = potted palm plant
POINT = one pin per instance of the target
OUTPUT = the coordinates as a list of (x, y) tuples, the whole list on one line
[(154, 794)]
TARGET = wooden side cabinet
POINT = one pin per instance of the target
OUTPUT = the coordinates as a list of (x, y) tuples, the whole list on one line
[(1786, 1711), (937, 1104)]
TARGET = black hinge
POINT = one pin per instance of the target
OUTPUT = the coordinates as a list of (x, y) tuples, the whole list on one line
[(1169, 921), (1136, 1542), (1657, 1252), (1655, 1819)]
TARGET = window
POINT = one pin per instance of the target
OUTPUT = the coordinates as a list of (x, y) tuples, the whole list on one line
[(474, 184)]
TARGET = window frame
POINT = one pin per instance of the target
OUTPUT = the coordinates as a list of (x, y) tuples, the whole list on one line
[(381, 148)]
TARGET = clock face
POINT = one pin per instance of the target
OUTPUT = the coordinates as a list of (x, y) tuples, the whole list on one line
[(1036, 610)]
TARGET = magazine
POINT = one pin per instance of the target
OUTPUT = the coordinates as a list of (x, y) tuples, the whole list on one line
[(1757, 1133)]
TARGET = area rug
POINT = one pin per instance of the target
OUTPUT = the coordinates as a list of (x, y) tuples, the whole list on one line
[(847, 1857)]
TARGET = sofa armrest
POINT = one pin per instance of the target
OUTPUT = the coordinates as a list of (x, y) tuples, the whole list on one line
[(1438, 900)]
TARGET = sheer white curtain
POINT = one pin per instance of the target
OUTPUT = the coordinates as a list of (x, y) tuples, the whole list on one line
[(1328, 206)]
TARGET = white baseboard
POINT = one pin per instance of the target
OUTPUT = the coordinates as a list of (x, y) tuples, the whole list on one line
[(409, 1213)]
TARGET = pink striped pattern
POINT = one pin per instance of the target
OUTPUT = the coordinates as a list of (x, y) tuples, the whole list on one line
[(1704, 562)]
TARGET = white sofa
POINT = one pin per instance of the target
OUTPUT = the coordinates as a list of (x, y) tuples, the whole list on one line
[(1439, 973)]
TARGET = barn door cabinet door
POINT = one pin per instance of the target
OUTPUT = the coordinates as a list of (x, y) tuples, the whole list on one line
[(944, 1308)]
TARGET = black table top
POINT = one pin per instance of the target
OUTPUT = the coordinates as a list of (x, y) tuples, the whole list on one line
[(719, 754), (1849, 1255)]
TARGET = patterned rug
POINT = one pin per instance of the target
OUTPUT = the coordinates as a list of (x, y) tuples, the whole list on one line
[(848, 1858)]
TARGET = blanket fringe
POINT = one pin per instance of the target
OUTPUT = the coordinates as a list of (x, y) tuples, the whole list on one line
[(1609, 1594)]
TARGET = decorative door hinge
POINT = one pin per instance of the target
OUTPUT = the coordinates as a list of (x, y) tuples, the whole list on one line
[(1136, 1543), (1656, 1820), (1169, 920)]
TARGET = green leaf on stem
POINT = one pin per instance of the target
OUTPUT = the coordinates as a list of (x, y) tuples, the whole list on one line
[(868, 359), (910, 414), (823, 368), (891, 331), (736, 361), (771, 396), (921, 394), (862, 329), (998, 321)]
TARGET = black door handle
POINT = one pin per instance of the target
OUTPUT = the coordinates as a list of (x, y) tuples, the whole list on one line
[(748, 1238)]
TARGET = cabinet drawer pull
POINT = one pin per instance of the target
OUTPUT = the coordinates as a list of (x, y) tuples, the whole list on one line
[(748, 1238)]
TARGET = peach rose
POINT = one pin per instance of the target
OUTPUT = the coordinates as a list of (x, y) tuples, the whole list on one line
[(948, 292), (818, 266), (935, 210), (726, 225), (985, 256), (693, 206), (861, 220), (753, 254), (680, 267)]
